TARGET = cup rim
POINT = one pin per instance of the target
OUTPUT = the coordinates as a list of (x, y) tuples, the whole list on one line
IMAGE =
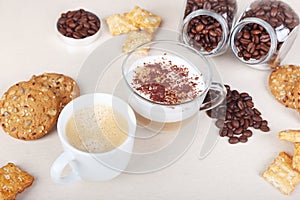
[(207, 62), (68, 108)]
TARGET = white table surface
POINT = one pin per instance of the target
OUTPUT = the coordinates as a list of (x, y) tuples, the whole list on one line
[(29, 45)]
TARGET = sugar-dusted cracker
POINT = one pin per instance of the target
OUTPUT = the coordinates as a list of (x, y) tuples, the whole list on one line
[(29, 110), (296, 157), (134, 39), (290, 135), (65, 88), (119, 24), (144, 19), (282, 82), (13, 180), (281, 174)]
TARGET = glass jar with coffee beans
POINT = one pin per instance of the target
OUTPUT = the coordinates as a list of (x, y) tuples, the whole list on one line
[(264, 33), (207, 24)]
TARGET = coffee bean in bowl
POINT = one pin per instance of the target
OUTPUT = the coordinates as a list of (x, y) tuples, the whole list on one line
[(78, 27)]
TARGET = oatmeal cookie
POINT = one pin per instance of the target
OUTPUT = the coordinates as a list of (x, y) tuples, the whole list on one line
[(64, 87), (282, 83), (29, 110)]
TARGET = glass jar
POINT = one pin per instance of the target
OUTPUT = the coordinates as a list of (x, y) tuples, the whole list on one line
[(264, 33), (207, 25)]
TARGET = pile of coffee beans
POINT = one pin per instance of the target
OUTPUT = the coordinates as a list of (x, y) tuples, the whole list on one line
[(205, 31), (253, 41), (236, 115), (78, 24)]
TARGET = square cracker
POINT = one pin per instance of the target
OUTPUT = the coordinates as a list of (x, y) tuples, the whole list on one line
[(134, 39), (296, 157), (290, 135), (13, 180), (144, 19), (281, 174), (119, 24)]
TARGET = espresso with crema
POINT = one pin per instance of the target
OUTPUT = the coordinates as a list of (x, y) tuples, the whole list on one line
[(97, 129)]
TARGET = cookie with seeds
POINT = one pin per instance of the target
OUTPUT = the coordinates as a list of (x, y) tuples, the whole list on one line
[(29, 110), (63, 86), (282, 82), (296, 93), (13, 180)]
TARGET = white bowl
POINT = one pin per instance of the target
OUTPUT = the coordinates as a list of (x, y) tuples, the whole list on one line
[(79, 42)]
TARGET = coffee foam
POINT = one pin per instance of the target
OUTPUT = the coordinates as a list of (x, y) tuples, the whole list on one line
[(97, 129)]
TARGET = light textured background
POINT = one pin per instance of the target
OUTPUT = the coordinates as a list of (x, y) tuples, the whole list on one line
[(28, 45)]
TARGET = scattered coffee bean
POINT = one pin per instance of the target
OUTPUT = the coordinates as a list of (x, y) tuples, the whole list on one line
[(247, 133), (253, 41), (243, 139), (220, 123), (206, 32), (78, 24), (233, 140), (236, 115)]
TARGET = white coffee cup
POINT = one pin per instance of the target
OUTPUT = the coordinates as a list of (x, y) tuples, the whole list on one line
[(93, 166)]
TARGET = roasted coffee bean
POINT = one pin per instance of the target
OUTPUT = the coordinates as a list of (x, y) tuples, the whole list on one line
[(240, 104), (220, 123), (240, 115), (249, 103), (230, 133), (229, 125), (257, 118), (243, 139), (257, 112), (223, 132), (238, 131), (264, 128), (235, 123), (204, 31), (247, 133), (76, 35), (233, 140), (78, 24), (246, 125), (278, 14), (264, 122)]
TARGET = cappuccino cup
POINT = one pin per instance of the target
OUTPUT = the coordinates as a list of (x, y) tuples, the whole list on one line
[(97, 134)]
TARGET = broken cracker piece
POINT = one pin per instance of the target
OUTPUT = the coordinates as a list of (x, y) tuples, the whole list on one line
[(290, 135), (144, 19), (134, 39), (281, 174), (13, 181), (296, 157), (119, 24)]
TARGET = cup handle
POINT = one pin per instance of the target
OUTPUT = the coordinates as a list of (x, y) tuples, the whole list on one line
[(58, 166), (220, 90)]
